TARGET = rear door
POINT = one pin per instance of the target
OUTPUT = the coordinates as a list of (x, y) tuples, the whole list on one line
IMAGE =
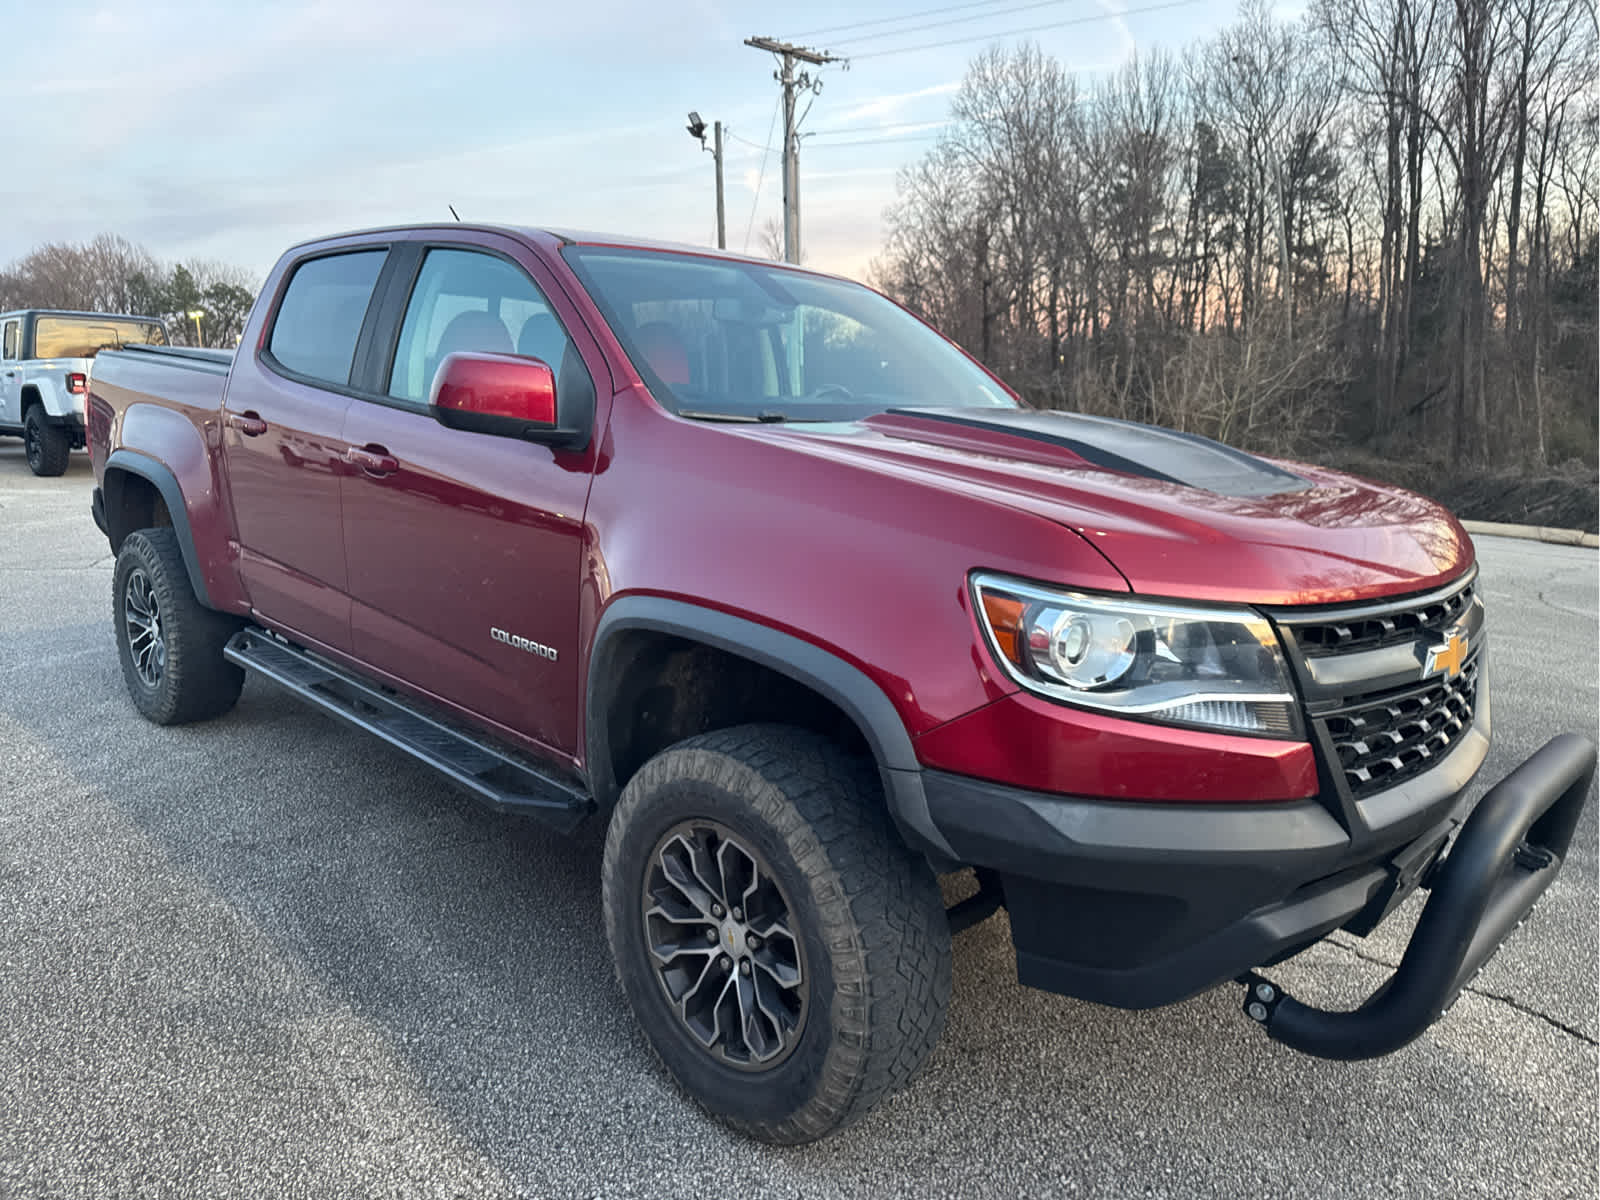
[(11, 371), (464, 548), (283, 447)]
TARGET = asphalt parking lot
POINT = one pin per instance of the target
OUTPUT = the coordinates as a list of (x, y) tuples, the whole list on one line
[(267, 956)]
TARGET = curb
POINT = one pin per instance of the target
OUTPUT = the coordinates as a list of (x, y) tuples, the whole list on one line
[(1534, 533)]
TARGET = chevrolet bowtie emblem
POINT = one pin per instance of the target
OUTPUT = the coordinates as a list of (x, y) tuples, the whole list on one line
[(1447, 659)]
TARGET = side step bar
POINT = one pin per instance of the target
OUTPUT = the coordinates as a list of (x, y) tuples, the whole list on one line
[(503, 782)]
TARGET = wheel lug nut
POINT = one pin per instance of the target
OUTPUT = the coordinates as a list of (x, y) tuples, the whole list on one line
[(738, 914), (725, 962), (711, 936), (744, 967), (753, 941), (716, 911)]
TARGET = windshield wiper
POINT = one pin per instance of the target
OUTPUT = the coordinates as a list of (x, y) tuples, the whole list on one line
[(761, 418)]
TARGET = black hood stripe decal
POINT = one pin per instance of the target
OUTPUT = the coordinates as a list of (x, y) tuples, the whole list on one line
[(1146, 451)]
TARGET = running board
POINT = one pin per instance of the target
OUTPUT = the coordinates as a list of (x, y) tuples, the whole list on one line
[(502, 782)]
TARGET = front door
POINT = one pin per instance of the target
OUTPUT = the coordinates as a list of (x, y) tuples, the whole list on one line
[(284, 451), (464, 549)]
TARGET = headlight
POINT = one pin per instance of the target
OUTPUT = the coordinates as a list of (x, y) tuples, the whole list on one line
[(1211, 668)]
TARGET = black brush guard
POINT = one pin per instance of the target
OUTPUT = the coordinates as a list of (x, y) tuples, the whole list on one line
[(1506, 854)]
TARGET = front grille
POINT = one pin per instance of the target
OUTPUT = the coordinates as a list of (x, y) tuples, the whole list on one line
[(1368, 632), (1382, 740)]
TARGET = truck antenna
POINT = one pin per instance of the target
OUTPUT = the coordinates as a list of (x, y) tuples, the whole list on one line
[(453, 211)]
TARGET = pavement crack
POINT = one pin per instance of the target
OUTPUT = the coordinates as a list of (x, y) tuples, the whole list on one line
[(1509, 1001), (1533, 1012)]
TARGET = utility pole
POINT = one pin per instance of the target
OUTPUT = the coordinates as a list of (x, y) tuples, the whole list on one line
[(791, 138), (722, 221), (697, 130)]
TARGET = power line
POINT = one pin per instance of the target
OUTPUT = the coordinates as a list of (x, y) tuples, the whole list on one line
[(927, 12), (993, 37), (765, 150), (983, 16)]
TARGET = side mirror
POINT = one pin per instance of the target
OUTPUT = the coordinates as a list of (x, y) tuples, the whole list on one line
[(500, 394)]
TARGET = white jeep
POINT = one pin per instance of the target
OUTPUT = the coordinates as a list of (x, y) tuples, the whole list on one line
[(44, 375)]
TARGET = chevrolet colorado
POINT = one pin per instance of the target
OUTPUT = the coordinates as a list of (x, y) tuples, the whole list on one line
[(755, 566), (44, 371)]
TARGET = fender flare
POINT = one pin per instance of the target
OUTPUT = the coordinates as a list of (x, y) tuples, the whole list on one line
[(844, 685), (166, 483)]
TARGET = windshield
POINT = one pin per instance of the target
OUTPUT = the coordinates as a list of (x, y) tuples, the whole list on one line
[(743, 341), (84, 337)]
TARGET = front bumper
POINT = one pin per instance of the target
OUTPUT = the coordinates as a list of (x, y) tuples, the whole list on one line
[(1507, 854), (1138, 904)]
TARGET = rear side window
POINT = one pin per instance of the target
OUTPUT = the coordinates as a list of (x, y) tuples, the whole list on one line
[(13, 338), (319, 321)]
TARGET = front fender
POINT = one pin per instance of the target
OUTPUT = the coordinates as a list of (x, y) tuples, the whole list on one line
[(830, 676)]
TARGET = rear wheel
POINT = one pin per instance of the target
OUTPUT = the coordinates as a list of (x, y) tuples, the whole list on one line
[(785, 953), (169, 643), (47, 446)]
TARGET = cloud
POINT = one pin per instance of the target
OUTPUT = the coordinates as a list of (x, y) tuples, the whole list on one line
[(887, 106), (1116, 10)]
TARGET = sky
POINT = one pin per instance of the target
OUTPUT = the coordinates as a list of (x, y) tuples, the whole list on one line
[(229, 129)]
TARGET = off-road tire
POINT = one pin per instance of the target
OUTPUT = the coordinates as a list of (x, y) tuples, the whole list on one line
[(47, 447), (867, 911), (195, 683)]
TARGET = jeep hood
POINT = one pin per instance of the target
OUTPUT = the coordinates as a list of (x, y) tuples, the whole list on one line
[(1177, 515)]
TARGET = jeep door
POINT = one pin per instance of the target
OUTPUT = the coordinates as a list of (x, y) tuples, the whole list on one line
[(283, 447), (11, 371), (465, 548)]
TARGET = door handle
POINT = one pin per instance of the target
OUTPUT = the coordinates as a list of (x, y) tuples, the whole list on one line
[(248, 423), (373, 459)]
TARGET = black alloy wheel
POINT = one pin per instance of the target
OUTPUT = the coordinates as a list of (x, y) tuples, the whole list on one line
[(33, 447), (141, 613), (720, 931)]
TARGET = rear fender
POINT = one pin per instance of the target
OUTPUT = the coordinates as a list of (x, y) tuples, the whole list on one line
[(164, 449)]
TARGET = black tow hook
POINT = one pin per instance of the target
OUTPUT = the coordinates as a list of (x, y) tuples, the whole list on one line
[(1505, 856)]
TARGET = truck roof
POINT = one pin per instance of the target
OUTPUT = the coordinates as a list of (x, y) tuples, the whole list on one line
[(569, 237)]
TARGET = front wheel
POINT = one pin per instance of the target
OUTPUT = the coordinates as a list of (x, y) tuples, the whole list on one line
[(46, 446), (787, 956)]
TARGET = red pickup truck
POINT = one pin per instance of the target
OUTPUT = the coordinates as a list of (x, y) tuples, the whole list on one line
[(755, 566)]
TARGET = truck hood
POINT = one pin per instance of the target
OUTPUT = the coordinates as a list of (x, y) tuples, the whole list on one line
[(1176, 514)]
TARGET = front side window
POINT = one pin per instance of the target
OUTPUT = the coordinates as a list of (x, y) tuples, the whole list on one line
[(13, 336), (84, 337), (720, 338), (319, 321), (467, 301)]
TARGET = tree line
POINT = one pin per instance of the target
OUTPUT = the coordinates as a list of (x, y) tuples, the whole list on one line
[(203, 303), (1376, 224)]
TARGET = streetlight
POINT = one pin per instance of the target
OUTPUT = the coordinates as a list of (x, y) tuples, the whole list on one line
[(697, 130), (196, 314)]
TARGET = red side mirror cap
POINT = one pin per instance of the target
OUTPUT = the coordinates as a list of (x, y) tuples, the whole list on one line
[(495, 393)]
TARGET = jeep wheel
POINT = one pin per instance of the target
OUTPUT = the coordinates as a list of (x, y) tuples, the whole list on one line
[(169, 643), (47, 446), (786, 955)]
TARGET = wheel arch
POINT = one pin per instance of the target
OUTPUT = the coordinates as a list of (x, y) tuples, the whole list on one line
[(635, 621), (137, 490)]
